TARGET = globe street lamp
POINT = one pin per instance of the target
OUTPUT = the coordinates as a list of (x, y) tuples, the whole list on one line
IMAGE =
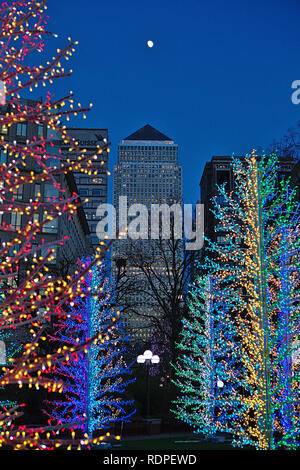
[(220, 383), (148, 358)]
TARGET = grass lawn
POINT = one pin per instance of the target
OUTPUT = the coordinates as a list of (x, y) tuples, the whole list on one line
[(171, 444)]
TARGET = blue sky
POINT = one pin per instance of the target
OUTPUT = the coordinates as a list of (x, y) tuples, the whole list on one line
[(217, 81)]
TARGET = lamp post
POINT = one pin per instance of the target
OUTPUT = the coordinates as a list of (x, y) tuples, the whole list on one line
[(148, 358)]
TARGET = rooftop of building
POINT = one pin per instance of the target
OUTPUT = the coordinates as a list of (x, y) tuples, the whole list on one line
[(92, 129), (148, 133), (215, 159)]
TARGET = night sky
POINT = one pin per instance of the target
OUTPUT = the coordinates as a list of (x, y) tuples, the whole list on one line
[(217, 81)]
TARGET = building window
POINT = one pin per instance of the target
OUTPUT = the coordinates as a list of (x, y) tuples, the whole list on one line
[(97, 192), (84, 180), (37, 190), (2, 352), (52, 161), (222, 240), (83, 192), (40, 130), (16, 220), (22, 129), (44, 253), (36, 218), (223, 176), (50, 192), (53, 134), (3, 157), (51, 226), (19, 193)]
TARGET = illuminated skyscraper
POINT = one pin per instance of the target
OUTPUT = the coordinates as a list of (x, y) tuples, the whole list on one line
[(147, 173)]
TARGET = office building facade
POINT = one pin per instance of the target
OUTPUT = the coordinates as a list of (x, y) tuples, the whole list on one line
[(92, 188), (147, 173), (70, 227), (73, 228)]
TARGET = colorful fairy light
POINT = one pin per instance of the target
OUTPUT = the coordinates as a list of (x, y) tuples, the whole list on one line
[(94, 380), (254, 313), (194, 369), (32, 297), (10, 349)]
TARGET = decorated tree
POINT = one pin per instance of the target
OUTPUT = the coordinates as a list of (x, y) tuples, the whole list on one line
[(255, 271), (31, 296), (8, 349), (95, 380), (195, 368)]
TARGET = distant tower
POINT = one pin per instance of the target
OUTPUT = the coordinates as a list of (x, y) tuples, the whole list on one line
[(147, 173)]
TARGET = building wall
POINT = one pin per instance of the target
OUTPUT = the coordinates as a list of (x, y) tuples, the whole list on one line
[(217, 171), (75, 227), (91, 187)]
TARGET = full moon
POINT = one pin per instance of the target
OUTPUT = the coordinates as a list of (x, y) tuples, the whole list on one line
[(150, 43)]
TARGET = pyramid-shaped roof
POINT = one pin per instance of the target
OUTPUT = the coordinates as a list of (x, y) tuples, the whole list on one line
[(147, 133)]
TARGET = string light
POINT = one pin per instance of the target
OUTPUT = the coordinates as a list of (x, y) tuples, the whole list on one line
[(255, 314), (31, 296), (94, 379), (194, 369)]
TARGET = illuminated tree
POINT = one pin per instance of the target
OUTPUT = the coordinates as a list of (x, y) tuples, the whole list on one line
[(32, 297), (94, 381), (8, 350), (255, 271), (195, 367)]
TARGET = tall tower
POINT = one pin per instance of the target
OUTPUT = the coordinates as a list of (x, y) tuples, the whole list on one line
[(147, 173)]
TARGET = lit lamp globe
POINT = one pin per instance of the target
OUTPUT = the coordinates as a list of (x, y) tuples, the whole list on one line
[(220, 384), (148, 354), (140, 359), (155, 360)]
